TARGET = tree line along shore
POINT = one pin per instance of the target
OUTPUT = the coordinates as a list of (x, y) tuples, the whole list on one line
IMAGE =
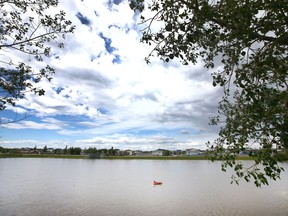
[(93, 153), (77, 152)]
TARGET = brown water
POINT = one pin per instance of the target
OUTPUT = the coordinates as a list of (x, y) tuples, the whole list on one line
[(125, 187)]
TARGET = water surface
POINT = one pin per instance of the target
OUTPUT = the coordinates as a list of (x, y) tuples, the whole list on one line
[(125, 187)]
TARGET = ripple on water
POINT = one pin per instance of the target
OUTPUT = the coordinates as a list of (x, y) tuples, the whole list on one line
[(100, 187)]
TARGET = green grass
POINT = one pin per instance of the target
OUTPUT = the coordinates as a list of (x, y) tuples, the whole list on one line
[(155, 158), (41, 156), (105, 157)]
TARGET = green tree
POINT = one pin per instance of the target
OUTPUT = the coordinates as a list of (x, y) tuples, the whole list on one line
[(35, 149), (45, 149), (71, 151), (167, 153), (65, 150), (111, 152), (92, 153), (75, 151), (90, 150), (103, 152), (249, 40), (3, 150), (78, 151), (28, 30)]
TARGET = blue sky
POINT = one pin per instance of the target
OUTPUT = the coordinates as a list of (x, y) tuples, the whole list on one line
[(104, 94)]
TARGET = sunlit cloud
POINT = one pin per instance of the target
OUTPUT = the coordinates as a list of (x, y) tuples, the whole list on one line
[(104, 94)]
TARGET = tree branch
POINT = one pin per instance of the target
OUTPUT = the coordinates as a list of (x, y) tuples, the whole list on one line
[(31, 39)]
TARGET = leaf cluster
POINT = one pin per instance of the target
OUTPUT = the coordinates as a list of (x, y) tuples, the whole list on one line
[(248, 41), (29, 31)]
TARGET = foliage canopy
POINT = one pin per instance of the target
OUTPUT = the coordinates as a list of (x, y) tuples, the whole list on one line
[(28, 30), (248, 40)]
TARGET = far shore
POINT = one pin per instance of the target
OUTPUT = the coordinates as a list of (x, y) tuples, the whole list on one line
[(114, 157)]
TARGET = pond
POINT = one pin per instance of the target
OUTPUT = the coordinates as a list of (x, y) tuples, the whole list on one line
[(125, 187)]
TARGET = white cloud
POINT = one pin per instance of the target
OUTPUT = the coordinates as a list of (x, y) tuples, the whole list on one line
[(24, 124), (114, 99)]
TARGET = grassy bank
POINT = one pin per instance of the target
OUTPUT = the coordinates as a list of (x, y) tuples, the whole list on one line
[(105, 157), (41, 156), (155, 157)]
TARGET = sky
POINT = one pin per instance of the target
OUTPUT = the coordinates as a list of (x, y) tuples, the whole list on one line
[(104, 94)]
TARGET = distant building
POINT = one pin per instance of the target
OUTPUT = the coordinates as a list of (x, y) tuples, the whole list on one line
[(143, 153), (117, 152), (50, 150), (193, 152), (158, 152), (129, 152), (177, 152), (26, 150)]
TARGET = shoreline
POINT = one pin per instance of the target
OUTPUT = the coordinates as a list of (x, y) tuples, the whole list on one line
[(201, 157)]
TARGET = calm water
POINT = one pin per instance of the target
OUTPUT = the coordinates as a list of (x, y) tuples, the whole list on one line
[(124, 187)]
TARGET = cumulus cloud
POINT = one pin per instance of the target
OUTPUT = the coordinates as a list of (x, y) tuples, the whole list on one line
[(104, 94), (33, 125)]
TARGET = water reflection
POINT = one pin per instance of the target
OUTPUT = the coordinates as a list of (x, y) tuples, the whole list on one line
[(125, 187)]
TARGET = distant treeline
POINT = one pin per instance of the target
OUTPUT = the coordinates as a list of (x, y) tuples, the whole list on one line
[(102, 153), (58, 151), (90, 152)]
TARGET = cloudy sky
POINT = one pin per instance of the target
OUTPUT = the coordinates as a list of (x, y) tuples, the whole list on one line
[(104, 94)]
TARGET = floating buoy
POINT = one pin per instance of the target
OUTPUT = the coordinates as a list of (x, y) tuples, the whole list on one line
[(157, 183)]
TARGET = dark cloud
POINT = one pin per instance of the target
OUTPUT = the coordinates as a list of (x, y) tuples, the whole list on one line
[(195, 112), (184, 132), (88, 78), (84, 20), (148, 96), (96, 79), (199, 74)]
